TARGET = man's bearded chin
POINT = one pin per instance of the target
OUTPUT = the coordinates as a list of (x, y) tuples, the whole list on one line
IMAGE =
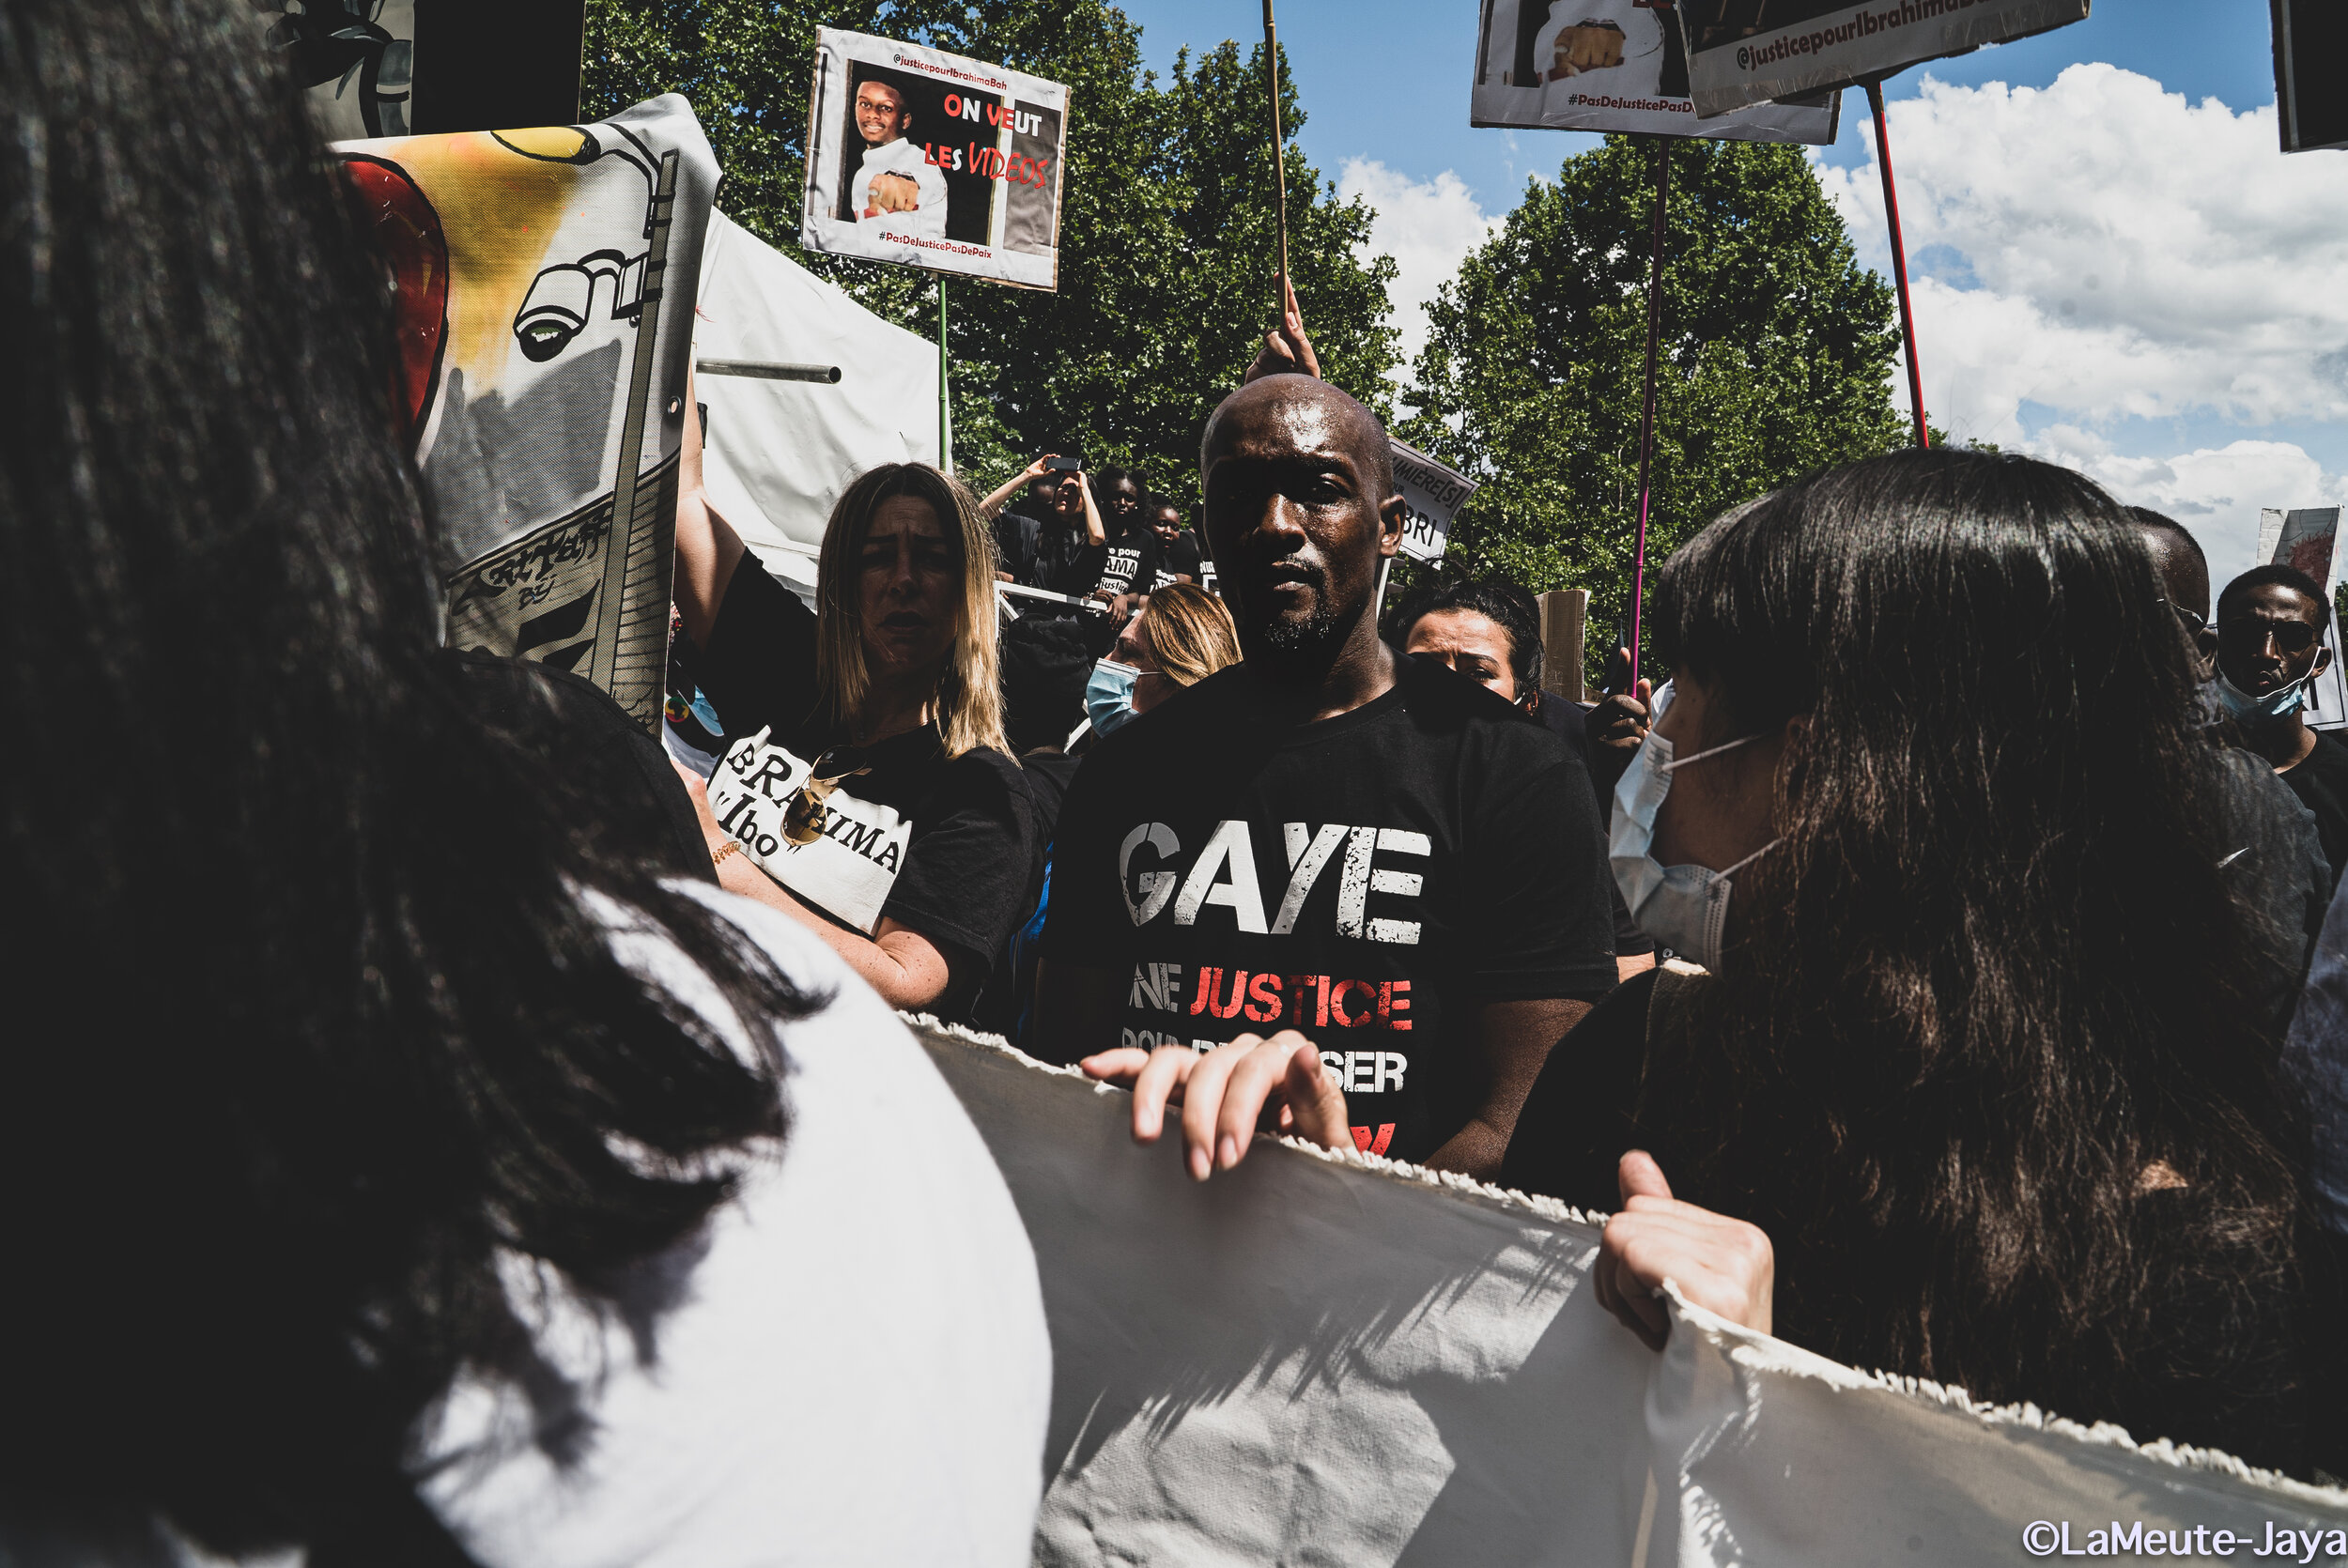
[(1310, 640)]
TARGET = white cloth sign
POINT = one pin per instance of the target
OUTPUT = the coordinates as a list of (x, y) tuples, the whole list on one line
[(837, 852), (1434, 495), (777, 455), (1329, 1359)]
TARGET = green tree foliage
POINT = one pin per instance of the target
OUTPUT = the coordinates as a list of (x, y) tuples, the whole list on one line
[(1167, 248), (1777, 352)]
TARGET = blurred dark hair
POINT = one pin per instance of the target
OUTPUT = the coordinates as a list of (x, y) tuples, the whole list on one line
[(1508, 606), (2282, 576), (317, 1011), (1991, 973)]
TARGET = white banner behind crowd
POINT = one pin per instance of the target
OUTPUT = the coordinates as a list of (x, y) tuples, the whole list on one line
[(1742, 51), (931, 160), (1324, 1359), (778, 454)]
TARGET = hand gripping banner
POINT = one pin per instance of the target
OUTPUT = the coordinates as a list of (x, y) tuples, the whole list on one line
[(544, 283), (1326, 1359)]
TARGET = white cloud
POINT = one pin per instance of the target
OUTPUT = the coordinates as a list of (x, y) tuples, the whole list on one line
[(2129, 254), (1428, 225), (2215, 492), (2111, 252)]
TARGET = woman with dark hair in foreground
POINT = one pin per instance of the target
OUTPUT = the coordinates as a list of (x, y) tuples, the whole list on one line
[(1976, 1090), (390, 1171)]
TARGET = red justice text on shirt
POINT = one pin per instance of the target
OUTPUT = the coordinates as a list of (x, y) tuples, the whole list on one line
[(1295, 1000)]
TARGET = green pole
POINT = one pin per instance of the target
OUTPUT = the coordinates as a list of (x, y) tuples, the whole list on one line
[(945, 416)]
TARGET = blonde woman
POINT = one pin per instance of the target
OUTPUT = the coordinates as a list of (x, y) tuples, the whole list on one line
[(1182, 636), (867, 790)]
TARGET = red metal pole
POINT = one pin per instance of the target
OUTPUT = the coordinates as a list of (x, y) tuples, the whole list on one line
[(1646, 416), (1899, 263)]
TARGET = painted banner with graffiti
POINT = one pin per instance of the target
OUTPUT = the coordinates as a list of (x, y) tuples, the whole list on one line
[(544, 283)]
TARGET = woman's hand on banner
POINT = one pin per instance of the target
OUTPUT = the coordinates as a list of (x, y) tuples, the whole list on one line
[(1724, 1265), (1229, 1094), (1287, 351)]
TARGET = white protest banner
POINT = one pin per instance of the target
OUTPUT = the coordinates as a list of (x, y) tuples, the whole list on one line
[(1612, 65), (1326, 1358), (1434, 495), (1742, 51), (929, 159), (543, 286), (812, 834), (2306, 539)]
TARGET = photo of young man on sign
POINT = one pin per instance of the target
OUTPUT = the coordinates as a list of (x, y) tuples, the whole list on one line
[(929, 159), (896, 182)]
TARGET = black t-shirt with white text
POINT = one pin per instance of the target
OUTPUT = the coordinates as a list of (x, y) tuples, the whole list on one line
[(1126, 562), (1368, 879), (971, 855), (1177, 561)]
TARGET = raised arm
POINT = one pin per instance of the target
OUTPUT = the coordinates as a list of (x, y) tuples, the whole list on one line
[(1286, 348), (995, 503), (1095, 532), (707, 549)]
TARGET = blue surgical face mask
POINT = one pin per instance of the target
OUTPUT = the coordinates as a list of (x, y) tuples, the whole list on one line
[(1109, 695), (2257, 712), (1683, 907)]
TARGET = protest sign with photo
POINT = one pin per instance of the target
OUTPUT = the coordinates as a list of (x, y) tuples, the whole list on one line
[(1742, 51), (1434, 495), (1612, 65), (931, 160), (543, 297)]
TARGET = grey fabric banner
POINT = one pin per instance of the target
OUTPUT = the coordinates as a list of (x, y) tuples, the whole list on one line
[(1332, 1359)]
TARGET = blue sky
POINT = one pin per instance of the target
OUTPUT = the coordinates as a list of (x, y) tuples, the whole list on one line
[(2116, 266), (1388, 79)]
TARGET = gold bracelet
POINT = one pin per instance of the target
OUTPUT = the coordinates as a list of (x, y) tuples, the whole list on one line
[(733, 846)]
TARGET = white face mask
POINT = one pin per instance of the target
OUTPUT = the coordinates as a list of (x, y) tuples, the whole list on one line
[(1683, 907)]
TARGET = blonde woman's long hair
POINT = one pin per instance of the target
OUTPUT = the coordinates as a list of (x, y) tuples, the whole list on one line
[(969, 693), (1190, 631)]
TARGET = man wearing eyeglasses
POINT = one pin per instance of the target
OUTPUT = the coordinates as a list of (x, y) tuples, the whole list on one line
[(2271, 622)]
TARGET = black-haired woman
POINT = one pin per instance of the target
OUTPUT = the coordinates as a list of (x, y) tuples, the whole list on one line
[(1975, 1090), (393, 1175)]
